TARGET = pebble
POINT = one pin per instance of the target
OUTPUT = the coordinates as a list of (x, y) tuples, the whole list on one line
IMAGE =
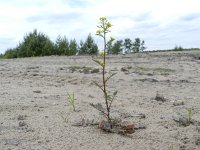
[(178, 103), (22, 123)]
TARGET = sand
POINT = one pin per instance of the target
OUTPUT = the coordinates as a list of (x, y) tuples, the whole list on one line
[(35, 113)]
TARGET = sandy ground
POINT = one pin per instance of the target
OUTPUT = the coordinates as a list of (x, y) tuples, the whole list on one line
[(35, 113)]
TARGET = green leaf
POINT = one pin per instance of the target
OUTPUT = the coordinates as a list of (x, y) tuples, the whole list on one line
[(109, 97), (103, 19), (71, 101), (115, 93), (112, 39), (98, 32), (99, 62), (109, 25), (99, 107)]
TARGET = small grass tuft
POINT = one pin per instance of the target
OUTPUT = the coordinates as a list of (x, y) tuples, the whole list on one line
[(171, 147), (71, 100), (156, 70)]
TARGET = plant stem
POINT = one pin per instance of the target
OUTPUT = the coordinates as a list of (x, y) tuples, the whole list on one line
[(104, 80)]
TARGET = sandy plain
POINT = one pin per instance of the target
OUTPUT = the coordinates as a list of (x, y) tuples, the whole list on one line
[(35, 113)]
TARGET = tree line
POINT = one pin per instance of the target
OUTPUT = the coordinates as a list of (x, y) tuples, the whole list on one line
[(38, 44)]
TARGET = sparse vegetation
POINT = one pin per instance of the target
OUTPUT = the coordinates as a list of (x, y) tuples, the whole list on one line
[(185, 118), (159, 69), (83, 69), (171, 147), (190, 113), (144, 70), (71, 100)]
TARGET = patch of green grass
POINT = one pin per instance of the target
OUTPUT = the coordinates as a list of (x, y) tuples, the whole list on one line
[(171, 147), (143, 69), (80, 68), (190, 113), (158, 70), (163, 70)]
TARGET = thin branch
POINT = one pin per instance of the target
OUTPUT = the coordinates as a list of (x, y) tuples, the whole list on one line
[(98, 85), (102, 111), (110, 76)]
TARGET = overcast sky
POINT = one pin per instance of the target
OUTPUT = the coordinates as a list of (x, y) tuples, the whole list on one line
[(161, 23)]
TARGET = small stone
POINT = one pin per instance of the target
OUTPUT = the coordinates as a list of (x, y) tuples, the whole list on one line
[(21, 117), (37, 91), (14, 142), (197, 142), (140, 126), (181, 119), (95, 71), (178, 103), (22, 123), (86, 71), (160, 97), (105, 125), (124, 69), (128, 127)]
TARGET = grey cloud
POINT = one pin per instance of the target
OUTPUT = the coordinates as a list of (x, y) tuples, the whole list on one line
[(76, 3), (55, 18), (148, 25), (6, 43), (142, 16), (190, 17)]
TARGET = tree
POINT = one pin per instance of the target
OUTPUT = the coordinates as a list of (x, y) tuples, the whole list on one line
[(138, 45), (35, 44), (109, 47), (10, 53), (178, 48), (1, 56), (128, 45), (89, 46), (62, 45), (73, 47), (116, 48)]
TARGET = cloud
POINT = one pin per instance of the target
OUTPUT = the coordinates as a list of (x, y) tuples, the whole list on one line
[(161, 24), (76, 3), (6, 42), (190, 17), (55, 18)]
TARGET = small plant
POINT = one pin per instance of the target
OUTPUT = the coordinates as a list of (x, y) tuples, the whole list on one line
[(171, 147), (186, 117), (71, 101), (104, 27), (190, 113)]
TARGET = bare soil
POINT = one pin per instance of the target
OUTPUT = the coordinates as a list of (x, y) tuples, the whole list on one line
[(35, 113)]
